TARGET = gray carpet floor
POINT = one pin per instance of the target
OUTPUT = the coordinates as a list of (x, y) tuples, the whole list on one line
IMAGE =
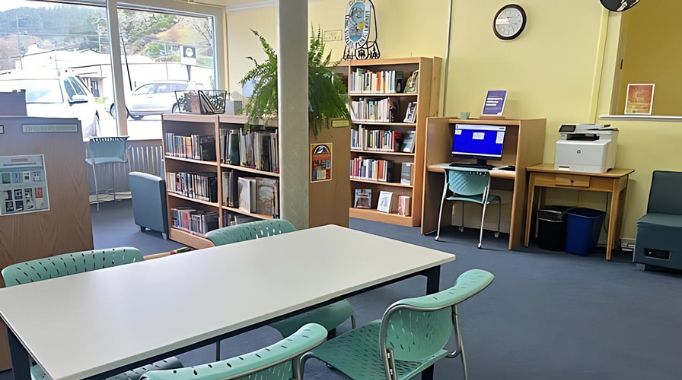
[(548, 315)]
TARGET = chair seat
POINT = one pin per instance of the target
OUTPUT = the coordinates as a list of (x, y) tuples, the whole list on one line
[(105, 160), (329, 317), (473, 198), (661, 220), (37, 372), (358, 355)]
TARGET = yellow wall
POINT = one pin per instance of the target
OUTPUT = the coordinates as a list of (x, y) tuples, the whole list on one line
[(554, 70), (652, 54)]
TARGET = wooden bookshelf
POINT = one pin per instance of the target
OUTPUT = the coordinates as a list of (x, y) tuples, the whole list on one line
[(249, 170), (427, 98)]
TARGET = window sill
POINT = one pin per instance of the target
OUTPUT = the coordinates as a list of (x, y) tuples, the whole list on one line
[(641, 118)]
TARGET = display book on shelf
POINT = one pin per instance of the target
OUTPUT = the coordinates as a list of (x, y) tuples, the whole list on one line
[(390, 101), (218, 174)]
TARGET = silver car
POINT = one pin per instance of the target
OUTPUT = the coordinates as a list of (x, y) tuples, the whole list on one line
[(57, 96), (155, 98)]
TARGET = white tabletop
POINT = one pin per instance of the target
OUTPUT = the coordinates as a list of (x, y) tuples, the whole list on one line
[(90, 323)]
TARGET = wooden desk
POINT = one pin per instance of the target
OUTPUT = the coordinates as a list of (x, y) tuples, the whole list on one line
[(197, 298), (614, 182)]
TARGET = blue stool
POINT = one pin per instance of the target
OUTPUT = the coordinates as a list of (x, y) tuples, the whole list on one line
[(106, 150)]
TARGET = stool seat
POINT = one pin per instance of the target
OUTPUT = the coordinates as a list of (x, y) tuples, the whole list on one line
[(105, 160)]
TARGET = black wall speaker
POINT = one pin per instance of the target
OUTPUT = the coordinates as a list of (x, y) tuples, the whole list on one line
[(619, 5)]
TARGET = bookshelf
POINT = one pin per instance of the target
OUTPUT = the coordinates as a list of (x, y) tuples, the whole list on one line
[(426, 96)]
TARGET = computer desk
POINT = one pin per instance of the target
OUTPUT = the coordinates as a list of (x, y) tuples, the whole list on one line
[(524, 145), (613, 182)]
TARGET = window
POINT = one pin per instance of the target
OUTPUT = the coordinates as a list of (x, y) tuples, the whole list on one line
[(38, 91)]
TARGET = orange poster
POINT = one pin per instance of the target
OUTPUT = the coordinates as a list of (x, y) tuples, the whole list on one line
[(639, 99)]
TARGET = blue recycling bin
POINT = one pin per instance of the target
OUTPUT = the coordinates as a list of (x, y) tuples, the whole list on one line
[(583, 226)]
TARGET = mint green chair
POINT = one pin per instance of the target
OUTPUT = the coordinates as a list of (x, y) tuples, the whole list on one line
[(411, 336), (275, 362), (330, 316), (73, 263), (106, 150), (469, 185)]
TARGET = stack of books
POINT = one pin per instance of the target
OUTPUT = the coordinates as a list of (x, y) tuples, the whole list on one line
[(201, 186), (364, 81), (375, 139), (255, 149), (257, 195), (367, 168), (198, 222), (383, 110), (196, 147)]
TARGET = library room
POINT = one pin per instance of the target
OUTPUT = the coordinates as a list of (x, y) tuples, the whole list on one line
[(340, 189)]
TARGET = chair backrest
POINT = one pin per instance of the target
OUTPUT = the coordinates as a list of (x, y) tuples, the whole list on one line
[(664, 196), (467, 182), (249, 231), (67, 264), (417, 328), (275, 362), (99, 147)]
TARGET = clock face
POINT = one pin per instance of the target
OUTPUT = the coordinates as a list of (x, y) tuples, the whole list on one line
[(509, 22), (356, 30)]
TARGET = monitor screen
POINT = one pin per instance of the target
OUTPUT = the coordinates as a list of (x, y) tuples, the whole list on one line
[(485, 141)]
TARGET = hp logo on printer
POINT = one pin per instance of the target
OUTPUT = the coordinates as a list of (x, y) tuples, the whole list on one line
[(579, 151)]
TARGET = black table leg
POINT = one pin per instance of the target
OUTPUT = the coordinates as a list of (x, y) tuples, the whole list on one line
[(432, 286), (21, 366)]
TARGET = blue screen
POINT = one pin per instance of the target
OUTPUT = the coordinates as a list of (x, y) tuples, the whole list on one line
[(478, 140)]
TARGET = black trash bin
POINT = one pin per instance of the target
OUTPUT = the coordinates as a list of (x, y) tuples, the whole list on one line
[(552, 228)]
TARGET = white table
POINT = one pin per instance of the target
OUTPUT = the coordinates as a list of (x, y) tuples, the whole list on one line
[(99, 323)]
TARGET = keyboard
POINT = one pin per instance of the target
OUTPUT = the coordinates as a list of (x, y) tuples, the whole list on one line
[(471, 166)]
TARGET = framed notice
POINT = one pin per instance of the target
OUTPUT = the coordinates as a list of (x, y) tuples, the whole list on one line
[(494, 103), (639, 99), (321, 162), (23, 185)]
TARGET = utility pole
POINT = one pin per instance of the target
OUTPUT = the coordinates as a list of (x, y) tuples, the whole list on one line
[(21, 59)]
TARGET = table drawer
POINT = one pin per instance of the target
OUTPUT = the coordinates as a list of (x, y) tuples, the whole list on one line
[(569, 180)]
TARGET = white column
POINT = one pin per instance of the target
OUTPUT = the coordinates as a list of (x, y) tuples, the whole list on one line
[(117, 68), (292, 72)]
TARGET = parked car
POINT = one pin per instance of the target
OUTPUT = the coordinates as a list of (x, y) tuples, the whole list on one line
[(155, 98), (58, 95)]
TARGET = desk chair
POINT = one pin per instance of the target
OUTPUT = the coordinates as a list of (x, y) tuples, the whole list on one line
[(410, 338), (330, 316), (106, 150), (276, 362), (469, 185), (79, 262)]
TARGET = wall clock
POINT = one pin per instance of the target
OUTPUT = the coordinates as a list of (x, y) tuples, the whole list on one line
[(509, 22), (619, 5)]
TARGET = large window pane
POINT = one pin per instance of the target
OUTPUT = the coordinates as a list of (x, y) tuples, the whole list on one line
[(154, 66), (59, 54)]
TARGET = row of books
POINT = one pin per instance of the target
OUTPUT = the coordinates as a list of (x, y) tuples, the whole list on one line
[(362, 80), (373, 169), (381, 140), (195, 221), (255, 149), (201, 186), (257, 195), (387, 202), (232, 218), (383, 110), (196, 147)]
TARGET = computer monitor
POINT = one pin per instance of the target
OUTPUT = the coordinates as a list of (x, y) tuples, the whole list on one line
[(482, 142)]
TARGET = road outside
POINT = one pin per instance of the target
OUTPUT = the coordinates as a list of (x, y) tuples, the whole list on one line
[(148, 128)]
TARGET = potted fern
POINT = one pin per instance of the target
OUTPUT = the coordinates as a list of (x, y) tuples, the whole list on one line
[(326, 92)]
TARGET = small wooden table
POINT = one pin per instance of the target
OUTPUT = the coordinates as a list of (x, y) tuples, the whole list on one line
[(614, 182)]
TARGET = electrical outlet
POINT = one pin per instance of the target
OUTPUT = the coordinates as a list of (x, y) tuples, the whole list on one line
[(332, 35), (627, 245)]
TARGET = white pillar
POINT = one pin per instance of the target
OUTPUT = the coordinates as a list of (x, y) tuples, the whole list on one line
[(292, 72), (117, 68)]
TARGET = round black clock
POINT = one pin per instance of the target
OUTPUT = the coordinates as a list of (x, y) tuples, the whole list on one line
[(509, 22)]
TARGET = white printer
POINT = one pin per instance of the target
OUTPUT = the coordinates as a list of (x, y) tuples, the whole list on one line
[(586, 148)]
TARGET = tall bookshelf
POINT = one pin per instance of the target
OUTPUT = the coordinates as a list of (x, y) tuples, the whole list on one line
[(426, 96), (206, 125)]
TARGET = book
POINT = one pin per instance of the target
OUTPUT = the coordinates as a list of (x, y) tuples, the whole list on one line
[(407, 145), (381, 140), (383, 110), (363, 198), (372, 169), (385, 202), (247, 194), (267, 196), (406, 173), (196, 147), (404, 205), (410, 112), (412, 84), (197, 185)]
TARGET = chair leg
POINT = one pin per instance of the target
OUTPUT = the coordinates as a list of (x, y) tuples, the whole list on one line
[(461, 224), (353, 321), (460, 345), (485, 204), (499, 216), (442, 200), (94, 177), (217, 351), (113, 180)]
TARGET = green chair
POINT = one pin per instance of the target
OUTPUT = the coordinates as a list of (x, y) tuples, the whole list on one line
[(106, 150), (73, 263), (329, 316), (469, 185), (411, 336), (276, 362)]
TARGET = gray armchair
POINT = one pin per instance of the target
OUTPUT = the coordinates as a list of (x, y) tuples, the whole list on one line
[(658, 232), (149, 202)]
